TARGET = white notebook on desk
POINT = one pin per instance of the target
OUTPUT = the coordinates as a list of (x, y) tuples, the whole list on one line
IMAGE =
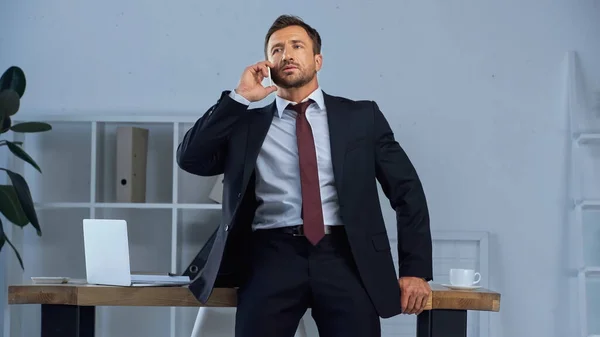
[(106, 248)]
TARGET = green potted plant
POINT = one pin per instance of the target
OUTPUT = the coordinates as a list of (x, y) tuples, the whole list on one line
[(16, 203)]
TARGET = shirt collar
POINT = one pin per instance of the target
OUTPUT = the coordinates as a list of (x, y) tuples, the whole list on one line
[(316, 96)]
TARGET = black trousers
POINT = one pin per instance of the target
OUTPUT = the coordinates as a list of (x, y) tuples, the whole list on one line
[(289, 275)]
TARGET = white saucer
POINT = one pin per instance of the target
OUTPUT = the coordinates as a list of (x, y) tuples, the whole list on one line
[(461, 287)]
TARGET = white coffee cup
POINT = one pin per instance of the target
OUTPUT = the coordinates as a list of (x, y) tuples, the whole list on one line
[(464, 277)]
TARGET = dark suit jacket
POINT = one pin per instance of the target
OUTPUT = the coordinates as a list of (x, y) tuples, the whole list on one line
[(227, 139)]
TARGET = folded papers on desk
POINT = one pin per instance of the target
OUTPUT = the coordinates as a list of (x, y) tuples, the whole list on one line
[(137, 280)]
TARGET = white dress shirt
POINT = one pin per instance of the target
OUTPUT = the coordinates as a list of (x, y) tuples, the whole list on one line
[(278, 188)]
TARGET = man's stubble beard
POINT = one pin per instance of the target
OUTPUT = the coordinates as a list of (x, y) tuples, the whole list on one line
[(294, 83)]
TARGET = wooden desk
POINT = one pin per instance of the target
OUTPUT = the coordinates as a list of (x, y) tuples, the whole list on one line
[(69, 310)]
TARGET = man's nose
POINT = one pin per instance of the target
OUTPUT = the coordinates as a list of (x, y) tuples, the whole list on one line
[(286, 56)]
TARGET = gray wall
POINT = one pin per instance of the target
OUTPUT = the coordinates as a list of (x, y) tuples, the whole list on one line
[(471, 89)]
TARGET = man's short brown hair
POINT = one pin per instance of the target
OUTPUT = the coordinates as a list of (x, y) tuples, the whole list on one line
[(284, 21)]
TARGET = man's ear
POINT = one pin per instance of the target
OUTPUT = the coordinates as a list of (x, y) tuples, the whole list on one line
[(319, 61)]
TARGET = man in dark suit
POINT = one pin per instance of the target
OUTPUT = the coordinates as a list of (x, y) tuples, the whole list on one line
[(302, 224)]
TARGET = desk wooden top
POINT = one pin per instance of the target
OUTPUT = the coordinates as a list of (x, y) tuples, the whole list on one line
[(94, 295)]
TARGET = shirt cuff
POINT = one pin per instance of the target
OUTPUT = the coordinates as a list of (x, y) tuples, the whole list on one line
[(238, 98)]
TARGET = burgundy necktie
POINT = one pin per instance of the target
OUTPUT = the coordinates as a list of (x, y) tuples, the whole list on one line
[(312, 210)]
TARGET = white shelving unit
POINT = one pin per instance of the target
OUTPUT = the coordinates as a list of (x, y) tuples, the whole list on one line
[(585, 196), (78, 181)]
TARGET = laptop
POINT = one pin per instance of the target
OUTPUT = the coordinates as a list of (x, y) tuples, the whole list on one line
[(106, 249)]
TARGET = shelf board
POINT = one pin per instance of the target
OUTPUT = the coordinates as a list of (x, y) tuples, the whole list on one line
[(590, 271), (588, 137), (198, 206), (53, 205), (57, 205), (102, 117), (588, 203)]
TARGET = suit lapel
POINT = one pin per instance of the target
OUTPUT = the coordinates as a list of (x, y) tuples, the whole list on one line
[(255, 136), (336, 119)]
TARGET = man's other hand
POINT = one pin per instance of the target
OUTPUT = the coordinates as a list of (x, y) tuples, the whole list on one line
[(414, 292)]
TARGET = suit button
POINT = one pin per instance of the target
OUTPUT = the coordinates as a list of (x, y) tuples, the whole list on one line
[(239, 195), (226, 227)]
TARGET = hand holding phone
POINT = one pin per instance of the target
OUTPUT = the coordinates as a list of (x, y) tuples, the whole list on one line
[(250, 85)]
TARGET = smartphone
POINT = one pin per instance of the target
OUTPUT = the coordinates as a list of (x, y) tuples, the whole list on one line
[(269, 69)]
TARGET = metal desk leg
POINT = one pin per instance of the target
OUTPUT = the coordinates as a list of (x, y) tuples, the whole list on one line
[(442, 323), (199, 323), (68, 320)]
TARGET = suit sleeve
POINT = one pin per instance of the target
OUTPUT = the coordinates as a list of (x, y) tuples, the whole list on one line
[(403, 188), (204, 147)]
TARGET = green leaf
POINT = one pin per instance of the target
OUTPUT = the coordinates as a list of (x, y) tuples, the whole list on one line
[(24, 196), (14, 78), (31, 127), (5, 124), (3, 142), (9, 102), (16, 252), (4, 238), (19, 152), (10, 206)]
